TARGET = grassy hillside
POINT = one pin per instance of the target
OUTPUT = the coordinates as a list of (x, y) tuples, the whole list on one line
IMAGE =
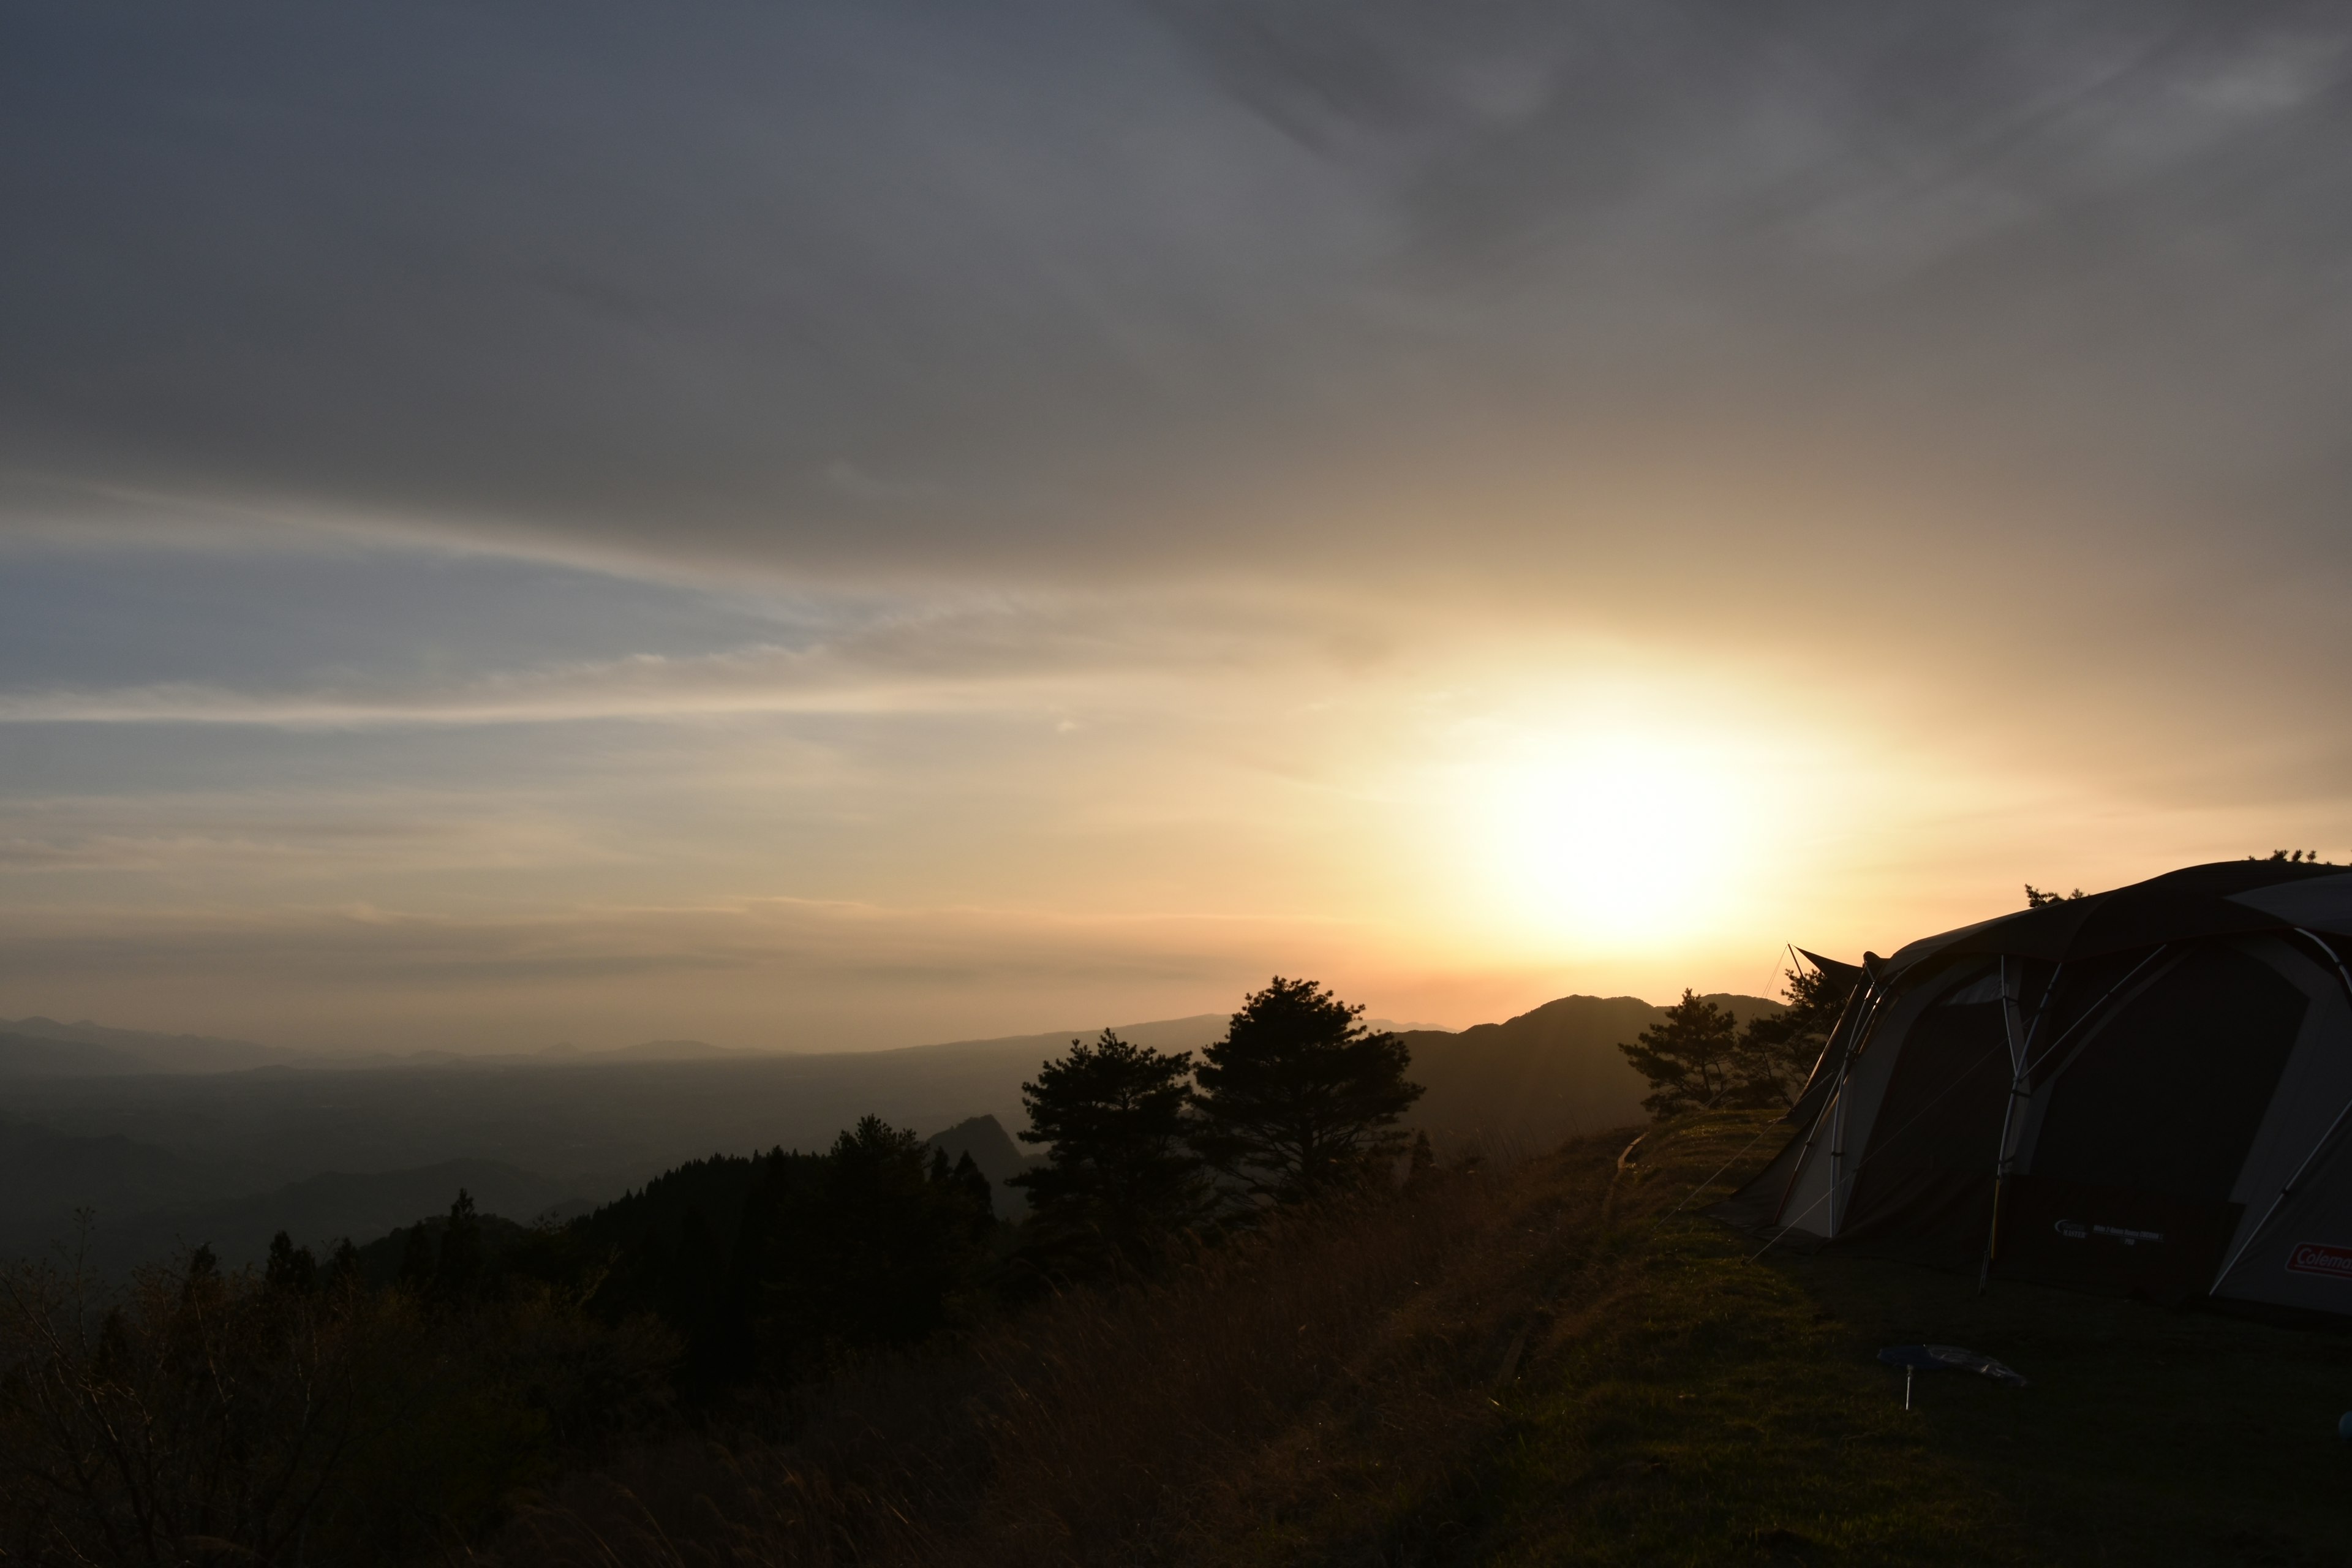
[(1682, 1400), (1561, 1363)]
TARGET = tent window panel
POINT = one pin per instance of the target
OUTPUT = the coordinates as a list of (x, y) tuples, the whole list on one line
[(2166, 1097)]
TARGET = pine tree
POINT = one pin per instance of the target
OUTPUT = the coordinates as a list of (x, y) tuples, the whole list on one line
[(866, 1248), (1778, 1050), (1111, 1116), (1690, 1058), (970, 1180), (1300, 1100)]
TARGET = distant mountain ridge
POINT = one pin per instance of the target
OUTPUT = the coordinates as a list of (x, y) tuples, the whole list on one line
[(43, 1047), (999, 1159), (1547, 1076), (40, 1047), (230, 1156)]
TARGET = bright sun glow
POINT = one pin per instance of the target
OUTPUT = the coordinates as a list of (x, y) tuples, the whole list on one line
[(1617, 842)]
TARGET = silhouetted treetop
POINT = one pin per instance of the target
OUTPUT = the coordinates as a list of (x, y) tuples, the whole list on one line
[(1691, 1058), (1299, 1100), (1118, 1167)]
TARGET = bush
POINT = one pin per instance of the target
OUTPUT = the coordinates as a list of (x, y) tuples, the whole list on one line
[(274, 1418)]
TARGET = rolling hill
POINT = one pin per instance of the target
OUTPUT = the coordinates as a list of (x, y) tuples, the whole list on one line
[(1547, 1076)]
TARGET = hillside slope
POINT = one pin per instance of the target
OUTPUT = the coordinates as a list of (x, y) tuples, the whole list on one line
[(1565, 1362), (1542, 1077), (999, 1159), (1681, 1398)]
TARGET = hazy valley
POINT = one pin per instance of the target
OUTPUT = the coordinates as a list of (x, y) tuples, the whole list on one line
[(175, 1141)]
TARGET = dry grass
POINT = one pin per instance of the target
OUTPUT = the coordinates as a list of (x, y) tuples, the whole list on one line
[(1346, 1353)]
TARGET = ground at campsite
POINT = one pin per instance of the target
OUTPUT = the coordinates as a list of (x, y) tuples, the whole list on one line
[(1663, 1395)]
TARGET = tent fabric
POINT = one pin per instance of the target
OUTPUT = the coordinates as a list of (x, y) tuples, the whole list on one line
[(2145, 1090), (1838, 972), (2320, 903), (1922, 1184), (2146, 1106), (2200, 900)]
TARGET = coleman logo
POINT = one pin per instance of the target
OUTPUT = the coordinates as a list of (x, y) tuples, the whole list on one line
[(2077, 1230), (2318, 1257)]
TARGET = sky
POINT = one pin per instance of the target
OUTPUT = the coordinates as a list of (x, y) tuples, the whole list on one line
[(835, 525)]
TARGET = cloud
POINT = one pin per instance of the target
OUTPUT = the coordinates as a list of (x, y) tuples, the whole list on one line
[(985, 653), (562, 480), (879, 294)]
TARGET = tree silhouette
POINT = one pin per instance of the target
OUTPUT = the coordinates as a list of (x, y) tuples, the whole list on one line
[(980, 1197), (290, 1270), (1111, 1115), (1690, 1058), (1299, 1100), (458, 1273), (1776, 1051), (1420, 1163), (344, 1272), (868, 1249)]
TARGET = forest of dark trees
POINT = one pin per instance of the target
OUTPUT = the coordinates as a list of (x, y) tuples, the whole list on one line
[(388, 1398)]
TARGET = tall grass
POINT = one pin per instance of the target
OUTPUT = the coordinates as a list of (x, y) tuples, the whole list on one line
[(1124, 1425)]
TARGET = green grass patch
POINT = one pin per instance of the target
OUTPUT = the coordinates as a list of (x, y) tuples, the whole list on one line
[(1691, 1404)]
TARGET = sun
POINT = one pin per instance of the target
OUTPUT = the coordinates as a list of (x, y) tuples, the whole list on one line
[(1613, 842)]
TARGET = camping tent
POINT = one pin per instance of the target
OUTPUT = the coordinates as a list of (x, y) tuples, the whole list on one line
[(2149, 1089)]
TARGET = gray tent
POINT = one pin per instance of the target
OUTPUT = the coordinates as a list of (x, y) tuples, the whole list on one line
[(2147, 1090)]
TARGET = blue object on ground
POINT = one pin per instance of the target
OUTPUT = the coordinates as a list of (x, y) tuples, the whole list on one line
[(1952, 1358), (2343, 1426)]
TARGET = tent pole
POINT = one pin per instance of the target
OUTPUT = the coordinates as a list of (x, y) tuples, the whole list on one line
[(2326, 1138), (2018, 1047), (1811, 1133), (1862, 1033), (2096, 1007), (1859, 1010), (2021, 1056)]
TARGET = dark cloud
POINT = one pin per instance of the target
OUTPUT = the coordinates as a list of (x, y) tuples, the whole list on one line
[(1046, 288)]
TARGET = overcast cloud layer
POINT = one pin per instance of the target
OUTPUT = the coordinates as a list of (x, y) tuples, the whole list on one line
[(620, 470)]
